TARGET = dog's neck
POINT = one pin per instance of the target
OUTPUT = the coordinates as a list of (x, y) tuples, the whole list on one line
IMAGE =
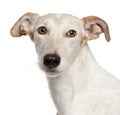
[(74, 81)]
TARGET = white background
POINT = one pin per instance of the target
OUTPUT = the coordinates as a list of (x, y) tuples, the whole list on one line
[(23, 86)]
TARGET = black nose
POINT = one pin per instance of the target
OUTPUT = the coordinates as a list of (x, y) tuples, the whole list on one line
[(51, 60)]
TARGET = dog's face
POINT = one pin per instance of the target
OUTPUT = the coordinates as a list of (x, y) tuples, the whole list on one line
[(58, 38)]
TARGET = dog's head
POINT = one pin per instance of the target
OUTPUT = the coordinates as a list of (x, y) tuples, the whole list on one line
[(59, 38)]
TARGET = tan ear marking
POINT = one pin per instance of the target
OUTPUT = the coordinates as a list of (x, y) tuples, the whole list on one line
[(24, 26), (94, 26)]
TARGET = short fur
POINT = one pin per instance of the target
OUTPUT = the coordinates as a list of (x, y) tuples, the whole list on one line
[(78, 85)]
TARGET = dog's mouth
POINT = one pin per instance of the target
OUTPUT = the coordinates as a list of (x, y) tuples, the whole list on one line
[(52, 72)]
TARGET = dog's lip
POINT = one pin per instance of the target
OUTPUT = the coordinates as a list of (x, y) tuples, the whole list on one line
[(51, 70)]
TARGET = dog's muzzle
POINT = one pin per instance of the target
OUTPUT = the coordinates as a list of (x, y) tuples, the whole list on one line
[(51, 61)]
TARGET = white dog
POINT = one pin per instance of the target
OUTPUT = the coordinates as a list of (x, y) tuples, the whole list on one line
[(79, 86)]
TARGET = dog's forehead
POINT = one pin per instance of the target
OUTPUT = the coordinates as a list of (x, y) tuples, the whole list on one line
[(58, 18)]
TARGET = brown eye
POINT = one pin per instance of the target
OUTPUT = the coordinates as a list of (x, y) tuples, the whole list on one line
[(71, 33), (42, 30)]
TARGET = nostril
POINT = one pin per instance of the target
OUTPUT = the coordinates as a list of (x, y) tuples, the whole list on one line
[(51, 60)]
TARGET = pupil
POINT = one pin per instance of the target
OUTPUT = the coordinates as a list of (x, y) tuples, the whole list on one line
[(43, 30), (71, 32)]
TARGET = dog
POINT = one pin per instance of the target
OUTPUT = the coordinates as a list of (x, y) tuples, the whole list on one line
[(78, 84)]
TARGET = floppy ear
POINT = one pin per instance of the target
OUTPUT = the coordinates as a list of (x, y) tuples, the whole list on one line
[(24, 26), (93, 27)]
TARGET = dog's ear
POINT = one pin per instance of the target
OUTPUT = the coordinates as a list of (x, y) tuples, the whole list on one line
[(24, 26), (93, 27)]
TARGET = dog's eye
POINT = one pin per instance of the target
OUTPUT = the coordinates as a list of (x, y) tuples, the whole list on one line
[(71, 33), (42, 30)]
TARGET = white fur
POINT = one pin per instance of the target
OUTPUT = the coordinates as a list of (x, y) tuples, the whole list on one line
[(79, 86)]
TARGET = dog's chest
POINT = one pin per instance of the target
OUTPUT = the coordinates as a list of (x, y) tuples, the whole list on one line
[(68, 102)]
